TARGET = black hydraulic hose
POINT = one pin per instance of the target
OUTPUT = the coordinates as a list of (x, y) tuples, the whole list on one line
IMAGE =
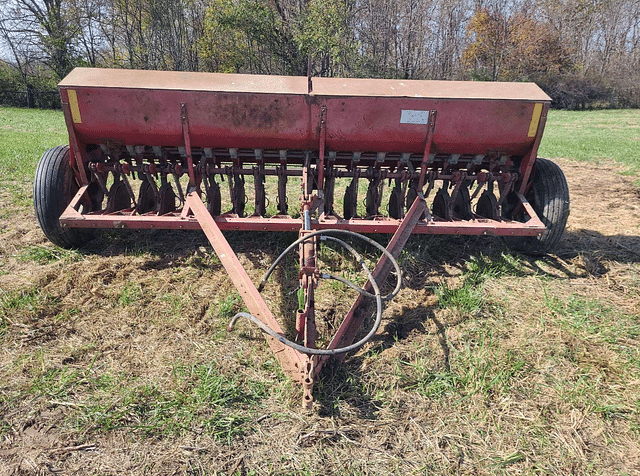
[(376, 295), (343, 232)]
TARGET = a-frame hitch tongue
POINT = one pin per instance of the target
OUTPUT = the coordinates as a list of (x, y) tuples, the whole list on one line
[(302, 361)]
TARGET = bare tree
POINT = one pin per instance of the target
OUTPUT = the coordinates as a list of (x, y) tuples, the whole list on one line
[(574, 46), (18, 35), (48, 21), (89, 17)]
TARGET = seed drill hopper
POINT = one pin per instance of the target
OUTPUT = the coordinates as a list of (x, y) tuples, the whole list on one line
[(216, 152)]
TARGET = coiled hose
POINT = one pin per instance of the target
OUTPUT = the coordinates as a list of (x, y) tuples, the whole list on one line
[(376, 291)]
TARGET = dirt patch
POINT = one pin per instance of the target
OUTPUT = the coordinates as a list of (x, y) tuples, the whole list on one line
[(95, 343), (605, 211)]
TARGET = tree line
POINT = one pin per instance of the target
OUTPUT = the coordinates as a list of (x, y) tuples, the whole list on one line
[(584, 53)]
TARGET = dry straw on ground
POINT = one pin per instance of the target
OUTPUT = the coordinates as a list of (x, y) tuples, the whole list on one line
[(105, 358)]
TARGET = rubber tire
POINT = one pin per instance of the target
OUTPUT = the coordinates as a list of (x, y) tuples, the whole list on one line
[(549, 197), (53, 189)]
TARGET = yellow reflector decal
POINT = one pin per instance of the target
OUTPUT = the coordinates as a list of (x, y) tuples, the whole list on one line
[(73, 105), (535, 119)]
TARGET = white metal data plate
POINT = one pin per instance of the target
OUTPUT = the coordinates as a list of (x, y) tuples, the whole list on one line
[(411, 116)]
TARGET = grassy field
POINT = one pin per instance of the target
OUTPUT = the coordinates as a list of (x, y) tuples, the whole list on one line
[(602, 137), (116, 359), (24, 135)]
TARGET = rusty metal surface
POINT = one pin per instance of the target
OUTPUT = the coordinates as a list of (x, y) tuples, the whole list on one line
[(275, 112), (293, 362), (152, 117), (478, 226), (289, 122), (428, 89), (236, 83), (464, 126), (183, 81)]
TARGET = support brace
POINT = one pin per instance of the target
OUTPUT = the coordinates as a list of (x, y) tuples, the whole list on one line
[(292, 361), (353, 321)]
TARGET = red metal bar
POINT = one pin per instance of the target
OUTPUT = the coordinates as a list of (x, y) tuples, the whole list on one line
[(323, 139), (355, 317), (529, 159), (427, 147), (75, 201), (293, 362), (124, 219), (74, 153), (187, 142)]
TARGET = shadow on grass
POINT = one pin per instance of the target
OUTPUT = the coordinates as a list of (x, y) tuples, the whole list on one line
[(424, 257), (621, 248), (344, 381), (439, 254), (586, 251), (449, 255), (164, 248)]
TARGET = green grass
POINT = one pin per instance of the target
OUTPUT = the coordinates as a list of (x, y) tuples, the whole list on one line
[(202, 399), (24, 136), (130, 294), (481, 367), (469, 296), (597, 321), (607, 136), (27, 303), (583, 367), (46, 254), (62, 383), (175, 304), (229, 306)]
